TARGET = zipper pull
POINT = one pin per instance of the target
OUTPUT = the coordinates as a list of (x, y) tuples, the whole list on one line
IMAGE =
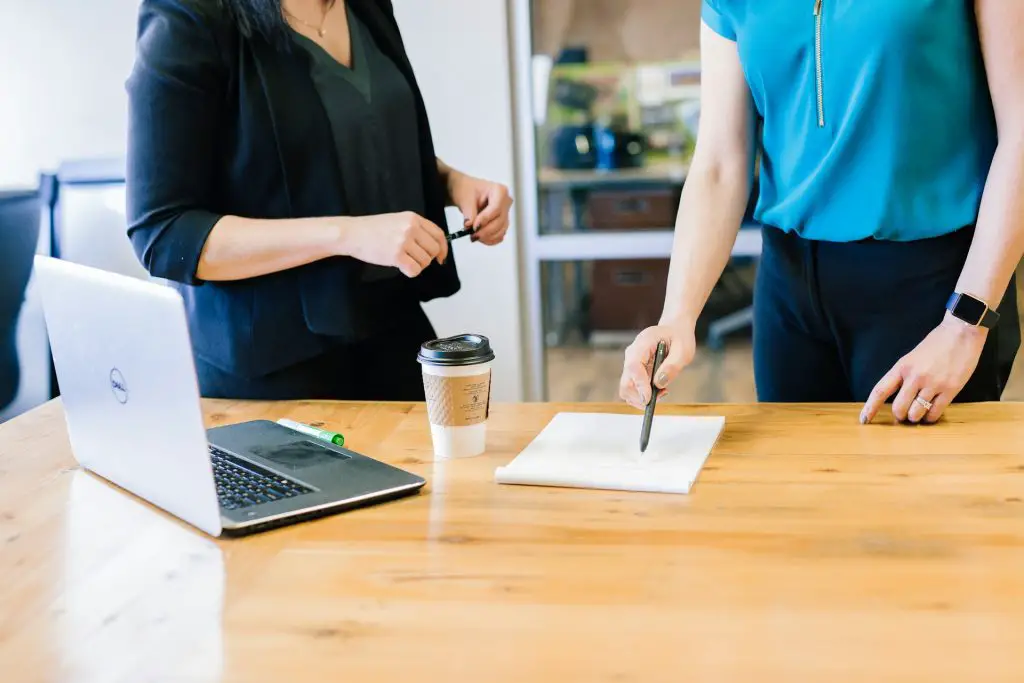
[(817, 8)]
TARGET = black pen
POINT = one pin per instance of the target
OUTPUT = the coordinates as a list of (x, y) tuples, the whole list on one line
[(645, 432), (452, 236)]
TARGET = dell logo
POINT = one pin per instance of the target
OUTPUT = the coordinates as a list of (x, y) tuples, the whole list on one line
[(118, 386)]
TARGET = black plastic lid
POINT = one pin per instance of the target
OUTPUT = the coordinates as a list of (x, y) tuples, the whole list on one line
[(463, 349)]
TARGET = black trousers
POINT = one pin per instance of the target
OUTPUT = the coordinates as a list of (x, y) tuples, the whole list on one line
[(383, 368), (830, 319)]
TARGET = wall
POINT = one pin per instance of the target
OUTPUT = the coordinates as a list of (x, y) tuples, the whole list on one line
[(62, 83), (64, 99), (619, 30), (460, 51), (62, 96)]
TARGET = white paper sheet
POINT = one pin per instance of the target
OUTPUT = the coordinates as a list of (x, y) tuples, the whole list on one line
[(602, 451)]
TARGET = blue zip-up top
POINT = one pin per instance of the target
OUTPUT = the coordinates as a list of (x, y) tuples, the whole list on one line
[(877, 119)]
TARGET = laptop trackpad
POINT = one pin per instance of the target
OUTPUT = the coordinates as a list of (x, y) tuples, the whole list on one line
[(298, 455)]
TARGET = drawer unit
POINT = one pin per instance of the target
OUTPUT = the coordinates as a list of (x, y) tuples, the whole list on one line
[(653, 209), (627, 295)]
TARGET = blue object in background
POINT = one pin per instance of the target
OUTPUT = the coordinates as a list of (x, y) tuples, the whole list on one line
[(604, 137), (573, 148), (617, 149), (574, 54)]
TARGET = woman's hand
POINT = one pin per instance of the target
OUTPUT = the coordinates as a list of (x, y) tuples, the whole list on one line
[(635, 385), (406, 241), (936, 370), (484, 205)]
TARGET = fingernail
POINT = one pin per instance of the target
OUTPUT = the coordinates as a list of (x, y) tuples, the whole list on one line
[(863, 418), (662, 379)]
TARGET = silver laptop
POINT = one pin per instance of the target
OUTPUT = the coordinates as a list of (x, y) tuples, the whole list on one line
[(128, 385)]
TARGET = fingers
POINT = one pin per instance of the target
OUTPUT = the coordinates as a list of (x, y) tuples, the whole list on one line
[(635, 385), (885, 388), (906, 407), (493, 233), (921, 403), (408, 266), (679, 356), (469, 212), (420, 243), (939, 405), (628, 391), (423, 241), (419, 254), (905, 398), (497, 202), (433, 239)]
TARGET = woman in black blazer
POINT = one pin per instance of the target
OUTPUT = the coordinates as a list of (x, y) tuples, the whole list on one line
[(281, 175)]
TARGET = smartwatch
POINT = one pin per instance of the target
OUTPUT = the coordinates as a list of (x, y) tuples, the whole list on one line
[(972, 310)]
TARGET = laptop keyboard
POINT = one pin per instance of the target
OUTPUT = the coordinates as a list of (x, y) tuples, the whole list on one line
[(241, 484)]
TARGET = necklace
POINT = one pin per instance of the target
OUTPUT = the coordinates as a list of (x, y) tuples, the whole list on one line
[(320, 30)]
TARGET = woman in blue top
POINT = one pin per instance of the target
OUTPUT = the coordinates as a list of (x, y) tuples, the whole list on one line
[(891, 191)]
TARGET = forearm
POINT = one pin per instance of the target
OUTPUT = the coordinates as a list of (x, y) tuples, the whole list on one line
[(240, 248), (998, 242), (710, 213), (446, 172)]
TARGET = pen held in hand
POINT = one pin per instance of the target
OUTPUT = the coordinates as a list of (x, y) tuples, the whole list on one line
[(645, 432), (452, 236)]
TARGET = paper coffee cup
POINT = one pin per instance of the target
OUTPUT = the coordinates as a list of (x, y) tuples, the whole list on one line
[(457, 383)]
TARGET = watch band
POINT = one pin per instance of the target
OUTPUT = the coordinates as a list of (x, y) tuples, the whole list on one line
[(989, 319), (972, 310)]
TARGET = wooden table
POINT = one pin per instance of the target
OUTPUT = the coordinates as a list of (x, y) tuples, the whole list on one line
[(812, 549)]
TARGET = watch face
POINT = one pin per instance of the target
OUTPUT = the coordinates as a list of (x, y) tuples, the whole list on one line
[(969, 309)]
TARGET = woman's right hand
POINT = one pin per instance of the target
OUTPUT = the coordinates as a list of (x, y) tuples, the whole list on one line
[(635, 385), (405, 241)]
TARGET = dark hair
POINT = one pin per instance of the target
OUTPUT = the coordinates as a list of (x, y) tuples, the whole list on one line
[(264, 18)]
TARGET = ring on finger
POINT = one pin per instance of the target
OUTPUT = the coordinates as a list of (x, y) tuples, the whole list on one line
[(923, 402)]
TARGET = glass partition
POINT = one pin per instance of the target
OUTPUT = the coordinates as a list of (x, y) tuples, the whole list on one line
[(614, 109)]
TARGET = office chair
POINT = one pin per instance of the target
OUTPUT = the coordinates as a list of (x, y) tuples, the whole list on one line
[(20, 214)]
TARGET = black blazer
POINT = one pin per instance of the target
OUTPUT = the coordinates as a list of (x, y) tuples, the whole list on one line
[(221, 124)]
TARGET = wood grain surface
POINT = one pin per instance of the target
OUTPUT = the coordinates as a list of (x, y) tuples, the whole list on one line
[(811, 549)]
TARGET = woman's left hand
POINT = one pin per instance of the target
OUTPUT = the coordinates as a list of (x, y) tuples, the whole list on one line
[(935, 371), (484, 205)]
